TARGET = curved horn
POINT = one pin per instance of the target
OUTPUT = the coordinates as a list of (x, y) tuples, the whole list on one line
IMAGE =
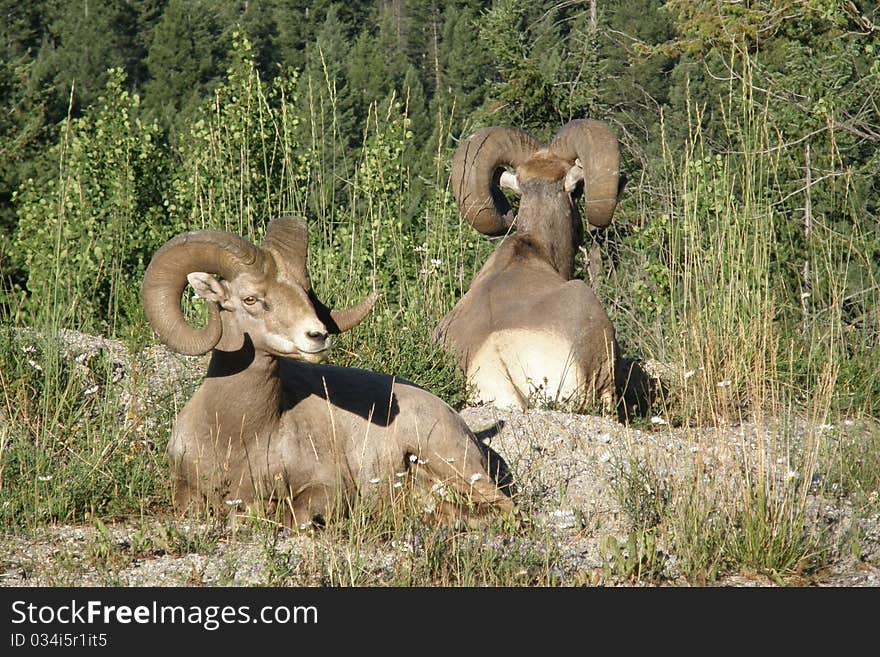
[(211, 251), (476, 171), (339, 321), (287, 239), (593, 143)]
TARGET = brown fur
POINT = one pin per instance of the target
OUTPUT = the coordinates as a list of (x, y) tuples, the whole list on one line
[(271, 431), (525, 292)]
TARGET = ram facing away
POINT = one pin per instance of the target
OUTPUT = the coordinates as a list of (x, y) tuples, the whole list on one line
[(272, 428), (525, 332)]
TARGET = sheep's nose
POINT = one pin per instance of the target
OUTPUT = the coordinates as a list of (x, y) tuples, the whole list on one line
[(318, 335)]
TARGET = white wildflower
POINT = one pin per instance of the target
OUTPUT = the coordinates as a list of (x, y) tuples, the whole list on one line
[(792, 475), (400, 474), (423, 461), (658, 420), (805, 295), (413, 458), (375, 480), (689, 374), (81, 357), (436, 262), (724, 384), (35, 365), (476, 477), (398, 484), (306, 524), (421, 249), (450, 459), (46, 478), (826, 427), (90, 391), (694, 449), (233, 502)]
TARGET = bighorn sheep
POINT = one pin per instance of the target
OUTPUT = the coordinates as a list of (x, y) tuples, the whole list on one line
[(272, 428), (525, 331)]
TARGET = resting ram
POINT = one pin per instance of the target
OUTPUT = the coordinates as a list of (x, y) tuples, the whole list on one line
[(270, 427), (525, 332)]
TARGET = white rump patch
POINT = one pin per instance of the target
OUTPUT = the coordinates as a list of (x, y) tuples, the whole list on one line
[(515, 366)]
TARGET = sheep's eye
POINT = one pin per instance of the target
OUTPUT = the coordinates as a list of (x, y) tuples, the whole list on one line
[(249, 300)]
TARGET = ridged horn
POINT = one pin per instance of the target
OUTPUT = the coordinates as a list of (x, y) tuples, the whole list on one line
[(476, 170), (287, 239), (211, 251), (593, 143)]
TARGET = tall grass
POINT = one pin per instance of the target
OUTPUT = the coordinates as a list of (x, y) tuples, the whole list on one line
[(747, 290)]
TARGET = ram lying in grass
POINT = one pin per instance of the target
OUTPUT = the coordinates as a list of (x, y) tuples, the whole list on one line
[(269, 426)]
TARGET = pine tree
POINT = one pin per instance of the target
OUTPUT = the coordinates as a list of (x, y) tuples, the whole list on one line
[(85, 38), (22, 120), (376, 67), (185, 60)]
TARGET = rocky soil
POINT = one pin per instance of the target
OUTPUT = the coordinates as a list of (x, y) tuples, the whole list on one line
[(581, 479)]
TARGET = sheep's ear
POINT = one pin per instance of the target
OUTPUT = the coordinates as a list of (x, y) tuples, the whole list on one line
[(574, 176), (207, 287)]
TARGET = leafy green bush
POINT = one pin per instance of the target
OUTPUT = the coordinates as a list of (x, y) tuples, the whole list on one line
[(86, 233)]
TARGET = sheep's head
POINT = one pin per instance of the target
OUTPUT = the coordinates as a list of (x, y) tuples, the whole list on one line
[(265, 289), (583, 152)]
